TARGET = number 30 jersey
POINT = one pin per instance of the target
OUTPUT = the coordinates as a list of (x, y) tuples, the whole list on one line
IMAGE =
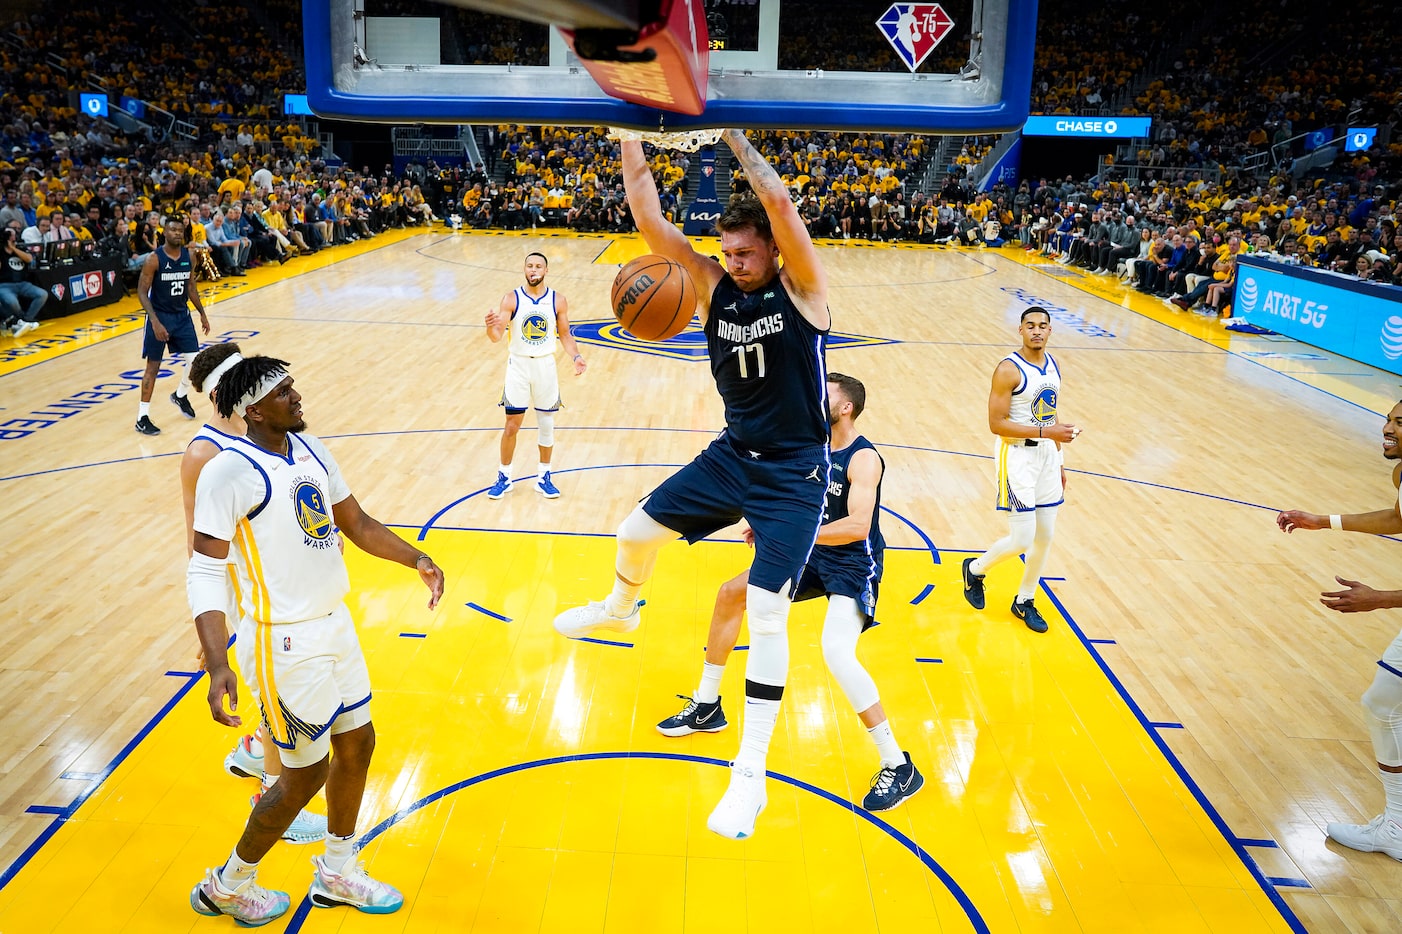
[(770, 368)]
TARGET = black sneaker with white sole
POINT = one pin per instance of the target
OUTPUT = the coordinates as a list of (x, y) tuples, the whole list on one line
[(1028, 613), (973, 585), (891, 786), (183, 404), (695, 717), (143, 425)]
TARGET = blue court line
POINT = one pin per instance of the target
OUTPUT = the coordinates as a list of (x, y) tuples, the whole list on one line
[(1176, 764), (930, 661), (1264, 844), (703, 431), (934, 552), (1102, 642), (304, 908), (738, 648), (1060, 347), (47, 809), (1288, 882), (1165, 725), (413, 635), (62, 814), (920, 597), (621, 645), (486, 612), (424, 529), (491, 528), (182, 674)]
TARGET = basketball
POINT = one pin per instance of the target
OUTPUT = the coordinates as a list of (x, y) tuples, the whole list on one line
[(653, 298)]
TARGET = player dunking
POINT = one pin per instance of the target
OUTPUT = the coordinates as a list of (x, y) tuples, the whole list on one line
[(1031, 480), (1382, 702), (766, 331), (269, 500), (166, 288), (846, 568), (206, 368), (538, 318)]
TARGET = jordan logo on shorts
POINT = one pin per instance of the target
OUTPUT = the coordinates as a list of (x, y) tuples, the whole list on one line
[(814, 474)]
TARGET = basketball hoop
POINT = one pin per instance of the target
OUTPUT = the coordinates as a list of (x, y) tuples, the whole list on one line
[(682, 140)]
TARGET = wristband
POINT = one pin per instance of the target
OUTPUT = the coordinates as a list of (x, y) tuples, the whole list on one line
[(420, 558), (578, 356), (1336, 522), (1039, 431)]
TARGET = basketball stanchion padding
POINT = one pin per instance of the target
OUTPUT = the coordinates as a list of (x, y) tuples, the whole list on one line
[(653, 298), (665, 66)]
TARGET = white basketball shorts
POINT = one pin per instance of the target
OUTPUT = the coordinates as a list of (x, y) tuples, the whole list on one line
[(1029, 477), (531, 382), (309, 679)]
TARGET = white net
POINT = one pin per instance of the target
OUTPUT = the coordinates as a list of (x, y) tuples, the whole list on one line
[(683, 140)]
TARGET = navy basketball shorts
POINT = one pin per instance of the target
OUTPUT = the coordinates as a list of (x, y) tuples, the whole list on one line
[(780, 495), (182, 336), (842, 576)]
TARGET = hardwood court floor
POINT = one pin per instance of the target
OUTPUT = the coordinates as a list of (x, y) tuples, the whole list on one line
[(1164, 759)]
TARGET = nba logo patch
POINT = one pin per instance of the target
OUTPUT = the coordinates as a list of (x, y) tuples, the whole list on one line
[(914, 29), (75, 287), (111, 277), (59, 290), (708, 170), (287, 643)]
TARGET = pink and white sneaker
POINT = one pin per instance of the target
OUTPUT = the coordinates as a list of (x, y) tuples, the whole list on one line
[(353, 887), (250, 904)]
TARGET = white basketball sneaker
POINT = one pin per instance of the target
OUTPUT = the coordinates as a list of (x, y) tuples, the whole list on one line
[(1379, 835), (734, 817), (583, 620)]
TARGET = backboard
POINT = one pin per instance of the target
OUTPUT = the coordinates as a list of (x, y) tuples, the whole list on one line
[(821, 64)]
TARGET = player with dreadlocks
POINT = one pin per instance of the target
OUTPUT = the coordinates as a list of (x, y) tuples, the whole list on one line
[(254, 756), (271, 503)]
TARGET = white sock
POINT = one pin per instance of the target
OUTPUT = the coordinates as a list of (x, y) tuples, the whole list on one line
[(183, 389), (886, 745), (756, 732), (339, 852), (269, 780), (544, 470), (144, 411), (1037, 554), (1392, 788), (505, 470), (236, 872), (709, 691), (255, 745)]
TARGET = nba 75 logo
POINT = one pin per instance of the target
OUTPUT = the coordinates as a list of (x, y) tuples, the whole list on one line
[(914, 29)]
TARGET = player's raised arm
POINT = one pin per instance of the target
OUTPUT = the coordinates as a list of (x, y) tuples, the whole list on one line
[(804, 271), (661, 235)]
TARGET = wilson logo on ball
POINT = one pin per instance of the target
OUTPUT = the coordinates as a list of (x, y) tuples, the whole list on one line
[(639, 286)]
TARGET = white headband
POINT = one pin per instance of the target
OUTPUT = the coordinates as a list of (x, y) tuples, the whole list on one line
[(265, 386), (212, 380)]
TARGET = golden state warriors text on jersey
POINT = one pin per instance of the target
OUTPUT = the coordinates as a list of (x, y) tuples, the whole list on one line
[(533, 324)]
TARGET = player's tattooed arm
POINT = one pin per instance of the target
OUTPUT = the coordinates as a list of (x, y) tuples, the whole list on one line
[(760, 174)]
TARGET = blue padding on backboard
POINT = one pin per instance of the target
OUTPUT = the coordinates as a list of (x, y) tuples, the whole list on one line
[(1000, 116)]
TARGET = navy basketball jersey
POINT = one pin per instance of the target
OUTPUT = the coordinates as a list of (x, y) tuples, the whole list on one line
[(835, 506), (770, 368), (171, 289)]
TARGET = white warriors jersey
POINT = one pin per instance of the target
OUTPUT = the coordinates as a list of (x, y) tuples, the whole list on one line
[(1034, 400), (533, 325), (276, 513)]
